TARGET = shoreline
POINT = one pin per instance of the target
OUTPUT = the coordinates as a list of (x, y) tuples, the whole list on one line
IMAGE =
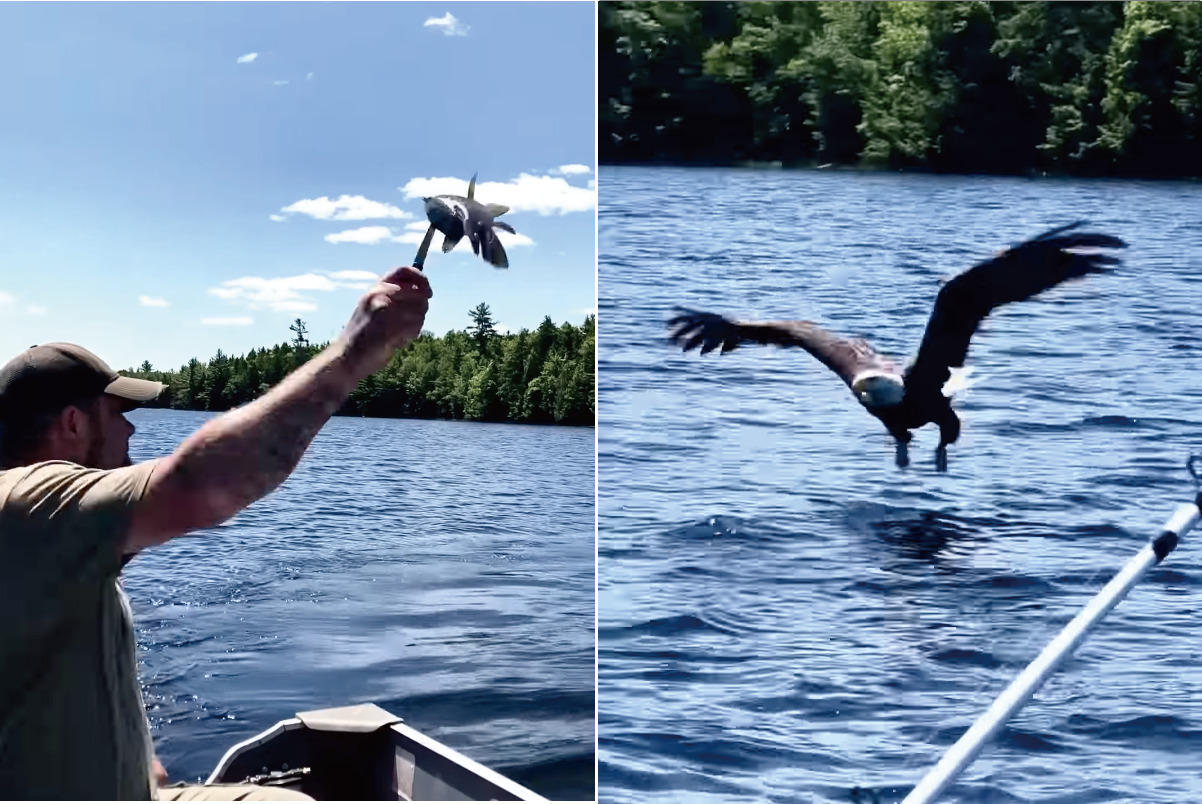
[(341, 415), (814, 165)]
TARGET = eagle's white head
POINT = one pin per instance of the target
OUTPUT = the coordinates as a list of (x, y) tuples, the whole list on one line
[(878, 389)]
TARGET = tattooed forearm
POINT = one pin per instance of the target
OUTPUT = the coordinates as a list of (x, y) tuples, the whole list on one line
[(243, 455)]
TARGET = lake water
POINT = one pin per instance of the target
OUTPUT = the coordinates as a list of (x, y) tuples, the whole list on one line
[(443, 570), (784, 615)]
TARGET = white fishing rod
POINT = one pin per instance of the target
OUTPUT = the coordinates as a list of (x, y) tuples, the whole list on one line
[(958, 757)]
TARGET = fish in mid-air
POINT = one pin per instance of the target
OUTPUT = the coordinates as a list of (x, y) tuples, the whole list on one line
[(457, 217), (905, 400)]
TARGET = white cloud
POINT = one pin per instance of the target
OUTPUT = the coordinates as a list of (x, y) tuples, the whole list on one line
[(278, 218), (353, 276), (449, 24), (572, 170), (7, 299), (343, 208), (150, 301), (280, 83), (509, 240), (413, 234), (355, 280), (416, 231), (281, 293), (248, 58), (288, 293), (588, 311), (546, 195), (233, 321), (414, 237), (364, 234)]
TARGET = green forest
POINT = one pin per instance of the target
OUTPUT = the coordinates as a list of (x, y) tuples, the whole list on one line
[(1069, 88), (540, 377)]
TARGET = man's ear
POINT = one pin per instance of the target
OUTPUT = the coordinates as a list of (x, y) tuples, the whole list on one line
[(72, 421)]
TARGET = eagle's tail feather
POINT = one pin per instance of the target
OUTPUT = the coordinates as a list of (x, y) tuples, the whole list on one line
[(959, 381)]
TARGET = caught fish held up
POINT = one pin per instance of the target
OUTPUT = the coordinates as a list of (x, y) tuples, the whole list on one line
[(457, 216)]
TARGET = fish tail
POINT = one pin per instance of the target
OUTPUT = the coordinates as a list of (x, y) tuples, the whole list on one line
[(498, 258)]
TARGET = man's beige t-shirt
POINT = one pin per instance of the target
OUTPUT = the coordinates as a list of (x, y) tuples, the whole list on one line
[(72, 721)]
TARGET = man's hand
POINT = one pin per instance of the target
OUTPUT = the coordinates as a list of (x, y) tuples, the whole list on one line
[(389, 316), (158, 773)]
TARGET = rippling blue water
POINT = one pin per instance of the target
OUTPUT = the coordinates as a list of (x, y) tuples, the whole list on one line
[(786, 616), (443, 570)]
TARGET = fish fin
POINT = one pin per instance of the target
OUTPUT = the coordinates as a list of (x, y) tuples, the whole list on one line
[(448, 243), (498, 258), (471, 187), (505, 227), (496, 210)]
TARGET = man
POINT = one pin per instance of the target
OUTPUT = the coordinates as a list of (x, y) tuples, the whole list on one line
[(73, 510)]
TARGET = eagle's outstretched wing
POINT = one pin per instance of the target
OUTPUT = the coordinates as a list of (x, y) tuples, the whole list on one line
[(1015, 274), (847, 358)]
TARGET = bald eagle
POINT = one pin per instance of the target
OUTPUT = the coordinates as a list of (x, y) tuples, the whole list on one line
[(905, 400)]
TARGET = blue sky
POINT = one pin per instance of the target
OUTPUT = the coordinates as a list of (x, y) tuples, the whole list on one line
[(178, 178)]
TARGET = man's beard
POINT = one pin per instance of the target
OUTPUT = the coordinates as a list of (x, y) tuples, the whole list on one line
[(95, 455)]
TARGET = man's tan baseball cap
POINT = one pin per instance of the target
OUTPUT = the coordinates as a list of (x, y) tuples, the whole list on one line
[(52, 375)]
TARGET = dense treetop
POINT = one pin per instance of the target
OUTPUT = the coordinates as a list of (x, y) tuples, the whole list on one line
[(1084, 88), (540, 377)]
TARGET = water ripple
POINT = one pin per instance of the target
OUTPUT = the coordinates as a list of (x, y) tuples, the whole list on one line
[(389, 568), (786, 617)]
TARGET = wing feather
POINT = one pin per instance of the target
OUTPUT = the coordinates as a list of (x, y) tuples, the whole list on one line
[(1014, 275), (845, 357)]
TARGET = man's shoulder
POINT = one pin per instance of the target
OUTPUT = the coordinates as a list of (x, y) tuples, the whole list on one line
[(39, 472), (24, 486)]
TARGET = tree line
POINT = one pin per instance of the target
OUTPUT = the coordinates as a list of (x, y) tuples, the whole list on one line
[(545, 376), (1080, 88)]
